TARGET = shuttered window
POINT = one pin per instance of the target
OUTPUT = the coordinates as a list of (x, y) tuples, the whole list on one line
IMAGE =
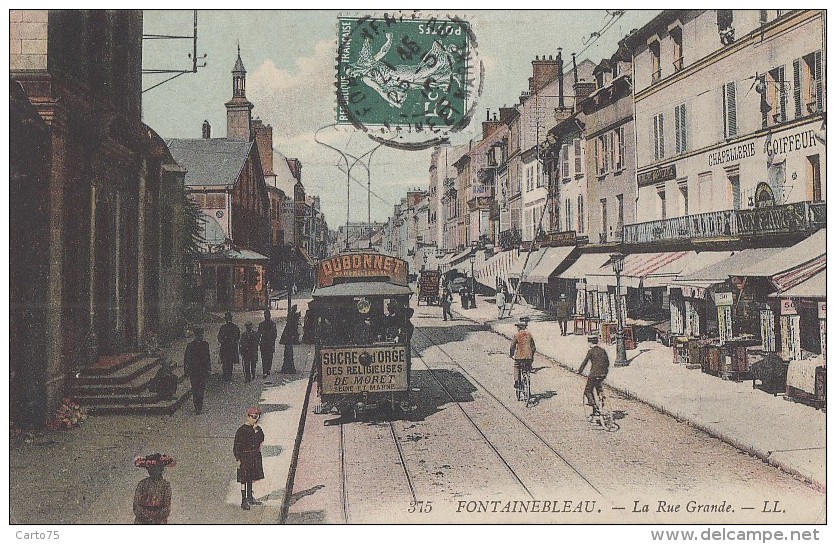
[(681, 133), (578, 160), (658, 137), (815, 88), (796, 86), (729, 110), (581, 226), (603, 153), (618, 163), (564, 161)]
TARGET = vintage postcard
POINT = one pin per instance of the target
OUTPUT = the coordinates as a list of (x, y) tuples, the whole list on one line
[(530, 267)]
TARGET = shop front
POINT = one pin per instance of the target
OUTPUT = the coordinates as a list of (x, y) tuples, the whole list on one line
[(544, 292), (572, 281), (234, 279)]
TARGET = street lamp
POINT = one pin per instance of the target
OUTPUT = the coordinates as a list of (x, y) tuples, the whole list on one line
[(620, 349), (472, 280), (425, 260)]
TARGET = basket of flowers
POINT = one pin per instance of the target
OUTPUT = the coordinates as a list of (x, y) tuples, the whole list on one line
[(68, 416)]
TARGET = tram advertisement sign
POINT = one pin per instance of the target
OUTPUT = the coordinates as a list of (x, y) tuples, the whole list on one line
[(364, 369), (361, 265)]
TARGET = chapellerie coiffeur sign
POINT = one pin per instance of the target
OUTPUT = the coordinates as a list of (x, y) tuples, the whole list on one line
[(361, 265), (364, 369)]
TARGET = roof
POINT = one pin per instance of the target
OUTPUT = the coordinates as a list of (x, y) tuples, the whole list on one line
[(588, 263), (791, 257), (210, 161), (552, 258), (234, 254), (362, 288), (813, 287), (285, 180)]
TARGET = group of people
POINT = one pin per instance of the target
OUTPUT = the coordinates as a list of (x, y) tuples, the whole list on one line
[(234, 344), (152, 497)]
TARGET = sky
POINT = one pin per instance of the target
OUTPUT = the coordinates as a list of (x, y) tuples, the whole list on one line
[(290, 61)]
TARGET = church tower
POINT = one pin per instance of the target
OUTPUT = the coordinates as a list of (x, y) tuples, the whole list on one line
[(239, 109)]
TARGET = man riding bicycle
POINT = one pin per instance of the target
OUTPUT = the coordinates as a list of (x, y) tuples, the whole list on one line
[(522, 350), (600, 366)]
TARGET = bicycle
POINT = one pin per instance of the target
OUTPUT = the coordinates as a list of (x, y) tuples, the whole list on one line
[(523, 386), (598, 413)]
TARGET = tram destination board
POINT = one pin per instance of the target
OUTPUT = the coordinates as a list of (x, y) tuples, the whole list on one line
[(364, 370)]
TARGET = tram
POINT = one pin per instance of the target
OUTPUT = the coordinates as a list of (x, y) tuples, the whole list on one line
[(363, 331)]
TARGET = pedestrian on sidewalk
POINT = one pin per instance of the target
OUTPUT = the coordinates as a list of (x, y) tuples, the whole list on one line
[(247, 452), (562, 312), (249, 351), (290, 336), (228, 337), (152, 498), (522, 349), (446, 300), (500, 302), (197, 365), (598, 370), (164, 382), (267, 334)]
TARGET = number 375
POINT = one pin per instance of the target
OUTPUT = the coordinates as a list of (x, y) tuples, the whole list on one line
[(420, 507)]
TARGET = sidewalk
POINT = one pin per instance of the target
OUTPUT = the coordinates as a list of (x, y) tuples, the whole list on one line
[(784, 434), (86, 475)]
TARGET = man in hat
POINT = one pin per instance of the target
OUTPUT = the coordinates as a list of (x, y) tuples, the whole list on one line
[(152, 498), (500, 302), (290, 336), (197, 365), (249, 350), (228, 337), (522, 349), (446, 300), (600, 366), (247, 452), (563, 312), (267, 334)]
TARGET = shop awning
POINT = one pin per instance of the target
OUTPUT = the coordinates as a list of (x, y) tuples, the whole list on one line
[(588, 263), (789, 258), (731, 266), (516, 269), (643, 270), (699, 261), (454, 260), (551, 259), (813, 287), (497, 265)]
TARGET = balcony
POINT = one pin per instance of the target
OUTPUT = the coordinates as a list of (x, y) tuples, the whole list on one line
[(793, 218)]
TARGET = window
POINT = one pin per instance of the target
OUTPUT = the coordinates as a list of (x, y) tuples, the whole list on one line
[(663, 205), (564, 161), (681, 132), (578, 160), (814, 175), (813, 93), (725, 26), (529, 178), (655, 62), (659, 137), (683, 192), (581, 226), (676, 38), (602, 153), (778, 95), (568, 214), (734, 189), (620, 211), (618, 149), (604, 219), (615, 69), (538, 179), (729, 110)]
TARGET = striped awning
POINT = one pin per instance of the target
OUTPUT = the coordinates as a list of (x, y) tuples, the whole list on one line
[(533, 258), (552, 258), (799, 274), (813, 287), (639, 267)]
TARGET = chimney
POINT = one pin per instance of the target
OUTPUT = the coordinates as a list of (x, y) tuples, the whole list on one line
[(575, 68), (489, 126), (583, 89), (264, 142), (531, 83), (544, 70), (207, 130), (561, 104)]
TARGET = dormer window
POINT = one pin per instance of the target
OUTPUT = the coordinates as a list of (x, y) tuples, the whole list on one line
[(676, 38), (655, 62), (725, 22), (614, 70)]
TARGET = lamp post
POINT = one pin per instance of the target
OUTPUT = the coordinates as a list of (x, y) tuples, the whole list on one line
[(472, 280), (620, 349), (425, 260)]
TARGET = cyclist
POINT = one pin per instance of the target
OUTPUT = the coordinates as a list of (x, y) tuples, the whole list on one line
[(600, 366), (522, 350)]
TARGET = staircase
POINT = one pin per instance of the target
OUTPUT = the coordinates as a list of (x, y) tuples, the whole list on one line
[(119, 385)]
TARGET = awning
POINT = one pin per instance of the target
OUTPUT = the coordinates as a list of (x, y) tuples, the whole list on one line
[(790, 257), (551, 259), (643, 270), (455, 259), (234, 254), (306, 256), (496, 266), (588, 263), (813, 287), (731, 266), (362, 288), (516, 269), (699, 261)]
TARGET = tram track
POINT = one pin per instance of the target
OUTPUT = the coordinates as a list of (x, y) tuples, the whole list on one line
[(506, 408)]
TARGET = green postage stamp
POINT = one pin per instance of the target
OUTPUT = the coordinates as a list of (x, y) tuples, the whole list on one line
[(395, 72)]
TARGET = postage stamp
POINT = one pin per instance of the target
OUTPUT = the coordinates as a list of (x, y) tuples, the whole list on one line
[(405, 72)]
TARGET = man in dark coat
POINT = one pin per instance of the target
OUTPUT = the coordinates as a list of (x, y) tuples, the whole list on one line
[(247, 451), (562, 312), (249, 350), (290, 336), (228, 337), (267, 334), (197, 366), (600, 366), (446, 299)]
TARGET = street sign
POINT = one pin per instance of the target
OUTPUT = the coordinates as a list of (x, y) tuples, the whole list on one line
[(723, 299)]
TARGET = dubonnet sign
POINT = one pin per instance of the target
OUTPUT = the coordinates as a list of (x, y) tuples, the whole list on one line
[(361, 265)]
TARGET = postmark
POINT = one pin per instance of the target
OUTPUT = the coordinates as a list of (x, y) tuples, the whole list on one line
[(407, 74)]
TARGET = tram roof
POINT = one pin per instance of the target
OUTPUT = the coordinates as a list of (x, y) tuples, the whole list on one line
[(362, 288)]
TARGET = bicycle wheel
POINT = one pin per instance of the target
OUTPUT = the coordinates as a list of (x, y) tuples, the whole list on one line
[(526, 386)]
